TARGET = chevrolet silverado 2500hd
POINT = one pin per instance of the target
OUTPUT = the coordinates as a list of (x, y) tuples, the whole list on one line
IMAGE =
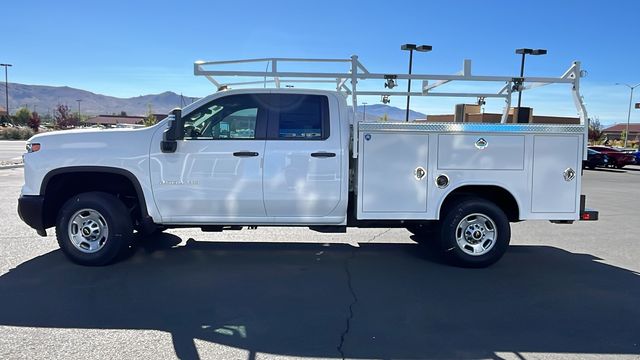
[(295, 157)]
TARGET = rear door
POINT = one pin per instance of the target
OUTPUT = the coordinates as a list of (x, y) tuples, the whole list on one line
[(302, 169)]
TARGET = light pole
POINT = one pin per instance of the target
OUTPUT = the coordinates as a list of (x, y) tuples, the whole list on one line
[(6, 86), (626, 133), (364, 114), (411, 48), (79, 101), (524, 53)]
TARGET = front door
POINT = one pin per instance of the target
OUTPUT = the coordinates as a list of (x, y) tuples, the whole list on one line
[(215, 175)]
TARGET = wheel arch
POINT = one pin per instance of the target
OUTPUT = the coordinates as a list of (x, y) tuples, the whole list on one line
[(112, 180), (497, 194)]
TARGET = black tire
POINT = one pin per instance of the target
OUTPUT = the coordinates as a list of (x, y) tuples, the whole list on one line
[(100, 211), (474, 211)]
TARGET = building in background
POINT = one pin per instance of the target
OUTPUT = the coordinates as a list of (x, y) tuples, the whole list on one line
[(120, 120), (473, 113), (615, 132)]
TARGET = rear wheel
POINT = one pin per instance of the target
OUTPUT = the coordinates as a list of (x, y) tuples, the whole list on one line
[(93, 228), (474, 233)]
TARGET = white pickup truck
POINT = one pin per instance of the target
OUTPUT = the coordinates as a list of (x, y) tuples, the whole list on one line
[(293, 157)]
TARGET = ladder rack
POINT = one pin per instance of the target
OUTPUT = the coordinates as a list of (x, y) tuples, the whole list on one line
[(346, 82)]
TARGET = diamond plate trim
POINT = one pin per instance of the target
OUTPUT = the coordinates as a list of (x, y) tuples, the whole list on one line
[(468, 127)]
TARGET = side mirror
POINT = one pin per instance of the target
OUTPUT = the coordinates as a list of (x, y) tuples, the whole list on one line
[(173, 133)]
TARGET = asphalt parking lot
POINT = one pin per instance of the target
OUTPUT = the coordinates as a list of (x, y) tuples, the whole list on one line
[(11, 151), (561, 291)]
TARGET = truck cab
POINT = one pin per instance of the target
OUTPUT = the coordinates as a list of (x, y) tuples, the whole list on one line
[(260, 157)]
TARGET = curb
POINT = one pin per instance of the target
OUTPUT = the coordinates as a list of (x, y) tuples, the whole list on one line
[(13, 166)]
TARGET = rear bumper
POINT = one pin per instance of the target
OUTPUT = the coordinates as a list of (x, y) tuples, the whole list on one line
[(31, 211), (587, 214)]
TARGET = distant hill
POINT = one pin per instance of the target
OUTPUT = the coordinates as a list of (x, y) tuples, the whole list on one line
[(376, 111), (46, 98)]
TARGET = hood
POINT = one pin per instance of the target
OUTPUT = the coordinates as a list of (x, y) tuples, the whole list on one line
[(87, 139)]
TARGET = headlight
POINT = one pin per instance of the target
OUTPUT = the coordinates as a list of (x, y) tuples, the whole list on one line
[(33, 147)]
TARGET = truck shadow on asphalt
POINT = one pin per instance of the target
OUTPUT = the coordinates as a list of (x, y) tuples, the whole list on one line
[(295, 299)]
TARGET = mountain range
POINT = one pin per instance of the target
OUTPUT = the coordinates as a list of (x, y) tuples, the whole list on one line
[(44, 99), (377, 111)]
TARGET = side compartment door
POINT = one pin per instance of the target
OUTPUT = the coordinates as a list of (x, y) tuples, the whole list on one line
[(303, 161), (215, 175), (556, 167)]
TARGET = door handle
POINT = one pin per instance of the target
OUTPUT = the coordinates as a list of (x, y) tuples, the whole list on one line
[(323, 154), (245, 153)]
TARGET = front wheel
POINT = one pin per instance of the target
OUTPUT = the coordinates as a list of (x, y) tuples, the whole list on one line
[(475, 233), (93, 228)]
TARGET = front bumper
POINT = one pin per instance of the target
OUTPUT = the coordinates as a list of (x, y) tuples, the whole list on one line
[(31, 211)]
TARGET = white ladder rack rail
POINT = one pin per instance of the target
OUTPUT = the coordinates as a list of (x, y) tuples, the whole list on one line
[(358, 72), (346, 82)]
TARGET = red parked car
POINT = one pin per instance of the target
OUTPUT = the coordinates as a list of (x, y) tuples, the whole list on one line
[(617, 158)]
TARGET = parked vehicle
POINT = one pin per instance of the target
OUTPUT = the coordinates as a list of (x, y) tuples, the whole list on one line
[(595, 159), (635, 153), (617, 158), (293, 157)]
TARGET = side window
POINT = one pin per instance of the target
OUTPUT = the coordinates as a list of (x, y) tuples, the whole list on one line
[(229, 117), (301, 117)]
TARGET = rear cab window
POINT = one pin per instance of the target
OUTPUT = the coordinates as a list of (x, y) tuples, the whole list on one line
[(299, 117)]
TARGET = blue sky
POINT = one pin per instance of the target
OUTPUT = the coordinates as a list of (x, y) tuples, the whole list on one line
[(130, 48)]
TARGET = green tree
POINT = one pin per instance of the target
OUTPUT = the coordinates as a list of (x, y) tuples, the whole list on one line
[(384, 117), (150, 119), (22, 116)]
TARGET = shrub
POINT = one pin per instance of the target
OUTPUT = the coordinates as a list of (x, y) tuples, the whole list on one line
[(15, 133)]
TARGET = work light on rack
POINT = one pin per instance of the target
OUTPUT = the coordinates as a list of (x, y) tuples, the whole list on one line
[(390, 81), (385, 99)]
